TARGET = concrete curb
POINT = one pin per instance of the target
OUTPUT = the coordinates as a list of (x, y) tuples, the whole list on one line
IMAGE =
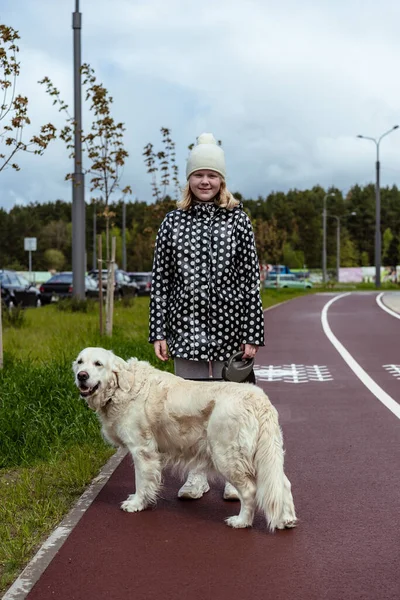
[(392, 301), (34, 569)]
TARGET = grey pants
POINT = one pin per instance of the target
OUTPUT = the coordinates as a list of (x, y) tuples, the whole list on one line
[(198, 369)]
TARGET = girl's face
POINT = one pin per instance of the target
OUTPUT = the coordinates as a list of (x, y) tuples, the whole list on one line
[(205, 184)]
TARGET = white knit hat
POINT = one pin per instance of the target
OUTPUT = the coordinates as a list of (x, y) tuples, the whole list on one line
[(206, 155)]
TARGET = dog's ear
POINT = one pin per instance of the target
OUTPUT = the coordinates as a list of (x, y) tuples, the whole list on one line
[(123, 375)]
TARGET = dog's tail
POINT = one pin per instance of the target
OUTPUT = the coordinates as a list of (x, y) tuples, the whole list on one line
[(268, 460)]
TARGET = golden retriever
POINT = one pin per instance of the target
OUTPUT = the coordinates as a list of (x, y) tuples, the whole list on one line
[(226, 428)]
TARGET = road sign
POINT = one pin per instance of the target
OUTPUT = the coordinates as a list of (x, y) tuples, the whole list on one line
[(30, 244)]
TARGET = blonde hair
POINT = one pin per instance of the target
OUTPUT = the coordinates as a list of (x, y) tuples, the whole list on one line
[(224, 198)]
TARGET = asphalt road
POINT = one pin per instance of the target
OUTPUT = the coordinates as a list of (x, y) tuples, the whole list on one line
[(342, 457)]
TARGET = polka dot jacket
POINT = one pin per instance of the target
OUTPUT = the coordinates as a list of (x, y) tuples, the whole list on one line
[(205, 292)]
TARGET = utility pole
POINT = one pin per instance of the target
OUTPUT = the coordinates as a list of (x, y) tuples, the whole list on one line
[(78, 180), (337, 249), (378, 243), (324, 215), (324, 241), (123, 235), (378, 240), (338, 241), (94, 234)]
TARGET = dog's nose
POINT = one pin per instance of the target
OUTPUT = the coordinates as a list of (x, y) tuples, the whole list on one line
[(83, 376)]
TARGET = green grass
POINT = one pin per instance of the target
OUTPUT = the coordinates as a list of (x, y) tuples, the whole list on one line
[(49, 334), (35, 499), (50, 442)]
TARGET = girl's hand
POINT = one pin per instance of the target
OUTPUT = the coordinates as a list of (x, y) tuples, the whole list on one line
[(249, 350), (160, 348)]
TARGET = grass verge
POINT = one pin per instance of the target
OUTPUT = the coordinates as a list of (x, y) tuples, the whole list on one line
[(35, 499), (50, 443)]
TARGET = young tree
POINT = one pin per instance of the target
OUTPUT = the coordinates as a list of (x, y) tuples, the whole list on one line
[(162, 164), (103, 143), (14, 107), (105, 151), (14, 114)]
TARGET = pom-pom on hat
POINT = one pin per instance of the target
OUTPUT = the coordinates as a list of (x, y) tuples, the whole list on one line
[(206, 155)]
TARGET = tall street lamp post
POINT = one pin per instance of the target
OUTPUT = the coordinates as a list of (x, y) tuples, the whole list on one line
[(324, 214), (78, 198), (338, 242), (123, 234), (378, 205)]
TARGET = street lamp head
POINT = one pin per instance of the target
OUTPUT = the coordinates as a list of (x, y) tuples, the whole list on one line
[(396, 127), (360, 136)]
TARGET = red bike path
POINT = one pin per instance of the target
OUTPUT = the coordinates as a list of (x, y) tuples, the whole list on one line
[(342, 457)]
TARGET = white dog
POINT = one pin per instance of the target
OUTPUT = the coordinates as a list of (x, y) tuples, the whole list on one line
[(228, 428)]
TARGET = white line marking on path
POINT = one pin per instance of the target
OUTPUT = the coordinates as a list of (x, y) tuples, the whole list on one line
[(353, 364), (393, 370), (384, 307), (292, 373)]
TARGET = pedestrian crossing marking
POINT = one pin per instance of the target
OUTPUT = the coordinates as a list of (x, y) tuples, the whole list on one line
[(393, 370), (293, 373)]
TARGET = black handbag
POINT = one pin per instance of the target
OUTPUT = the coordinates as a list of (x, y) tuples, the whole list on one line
[(238, 370)]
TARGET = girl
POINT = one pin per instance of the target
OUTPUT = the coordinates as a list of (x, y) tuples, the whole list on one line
[(205, 294)]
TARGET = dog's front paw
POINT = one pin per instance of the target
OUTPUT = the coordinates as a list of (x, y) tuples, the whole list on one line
[(237, 522), (133, 504)]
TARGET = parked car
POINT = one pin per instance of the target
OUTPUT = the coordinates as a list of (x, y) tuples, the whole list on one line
[(17, 290), (60, 286), (123, 286), (279, 269), (286, 281), (143, 281)]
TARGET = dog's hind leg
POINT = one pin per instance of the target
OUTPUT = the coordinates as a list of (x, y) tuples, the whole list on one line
[(232, 469), (247, 494), (147, 479), (288, 518)]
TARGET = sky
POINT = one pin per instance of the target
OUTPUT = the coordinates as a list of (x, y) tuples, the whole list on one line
[(286, 86)]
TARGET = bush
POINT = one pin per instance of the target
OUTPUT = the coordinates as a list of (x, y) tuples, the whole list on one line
[(76, 305), (127, 301)]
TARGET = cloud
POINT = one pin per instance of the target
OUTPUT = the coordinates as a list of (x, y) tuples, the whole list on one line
[(286, 86)]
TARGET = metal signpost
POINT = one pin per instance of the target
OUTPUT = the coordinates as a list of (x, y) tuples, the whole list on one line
[(30, 245)]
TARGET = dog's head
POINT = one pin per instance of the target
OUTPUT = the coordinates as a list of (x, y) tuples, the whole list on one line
[(98, 373)]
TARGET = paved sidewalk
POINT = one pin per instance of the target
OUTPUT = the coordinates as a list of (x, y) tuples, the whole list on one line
[(392, 300)]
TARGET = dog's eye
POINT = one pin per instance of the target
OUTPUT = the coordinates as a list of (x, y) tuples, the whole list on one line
[(98, 363), (79, 362)]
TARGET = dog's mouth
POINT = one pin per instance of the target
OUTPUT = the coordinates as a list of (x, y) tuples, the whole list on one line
[(86, 391)]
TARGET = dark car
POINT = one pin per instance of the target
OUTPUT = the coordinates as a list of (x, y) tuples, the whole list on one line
[(16, 290), (143, 281), (60, 286), (123, 286)]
